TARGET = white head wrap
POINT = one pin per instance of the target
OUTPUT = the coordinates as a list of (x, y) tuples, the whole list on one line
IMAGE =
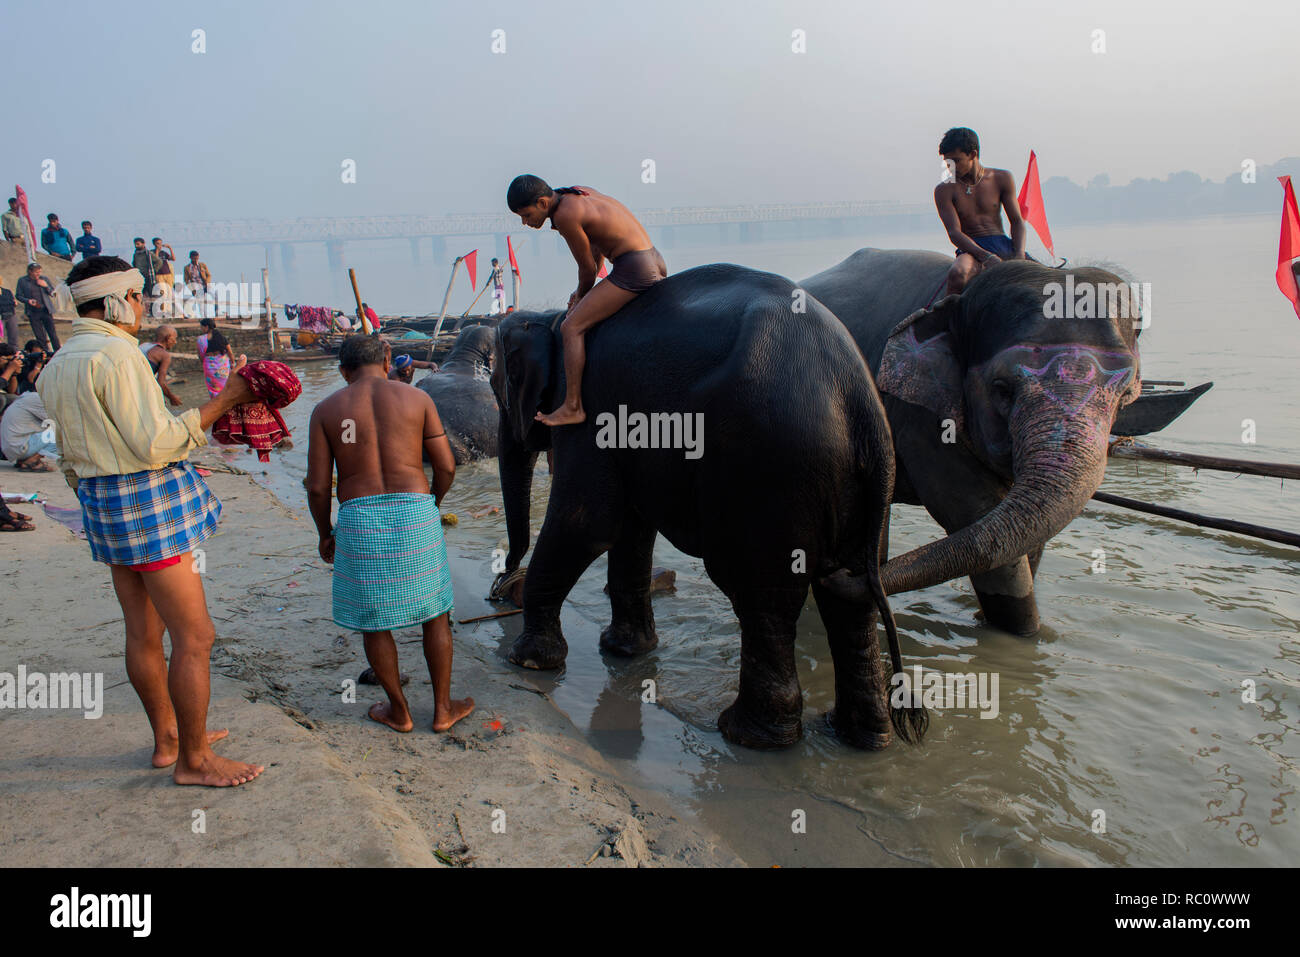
[(112, 287)]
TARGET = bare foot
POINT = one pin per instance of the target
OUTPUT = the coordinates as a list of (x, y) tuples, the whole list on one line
[(166, 751), (564, 415), (383, 713), (444, 718), (216, 772)]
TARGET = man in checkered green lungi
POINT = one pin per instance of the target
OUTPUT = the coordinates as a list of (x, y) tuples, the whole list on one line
[(390, 562)]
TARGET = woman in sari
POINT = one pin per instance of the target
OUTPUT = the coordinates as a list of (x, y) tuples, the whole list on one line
[(216, 356)]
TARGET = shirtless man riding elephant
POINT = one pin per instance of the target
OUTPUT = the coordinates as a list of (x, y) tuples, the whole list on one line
[(596, 227)]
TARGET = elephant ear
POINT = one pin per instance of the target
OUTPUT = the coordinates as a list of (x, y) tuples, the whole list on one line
[(920, 363)]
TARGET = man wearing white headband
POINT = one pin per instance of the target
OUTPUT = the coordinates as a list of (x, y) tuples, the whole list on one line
[(143, 507)]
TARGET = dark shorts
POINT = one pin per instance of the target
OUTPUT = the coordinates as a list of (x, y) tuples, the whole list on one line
[(1000, 246), (638, 270)]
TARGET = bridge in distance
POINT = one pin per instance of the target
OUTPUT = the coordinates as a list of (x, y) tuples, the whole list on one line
[(666, 226)]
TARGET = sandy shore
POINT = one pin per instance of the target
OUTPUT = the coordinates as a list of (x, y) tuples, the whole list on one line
[(513, 784)]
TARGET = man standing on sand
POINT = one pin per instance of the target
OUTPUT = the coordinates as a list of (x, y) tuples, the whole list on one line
[(88, 243), (390, 562), (37, 296), (143, 508), (12, 222), (970, 209), (166, 278), (498, 289), (596, 227)]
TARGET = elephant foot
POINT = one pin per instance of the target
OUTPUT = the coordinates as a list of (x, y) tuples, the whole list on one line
[(740, 727), (628, 641), (1016, 615), (863, 732), (542, 650)]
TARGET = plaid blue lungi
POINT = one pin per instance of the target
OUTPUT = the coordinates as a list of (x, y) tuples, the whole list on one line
[(147, 516), (390, 562)]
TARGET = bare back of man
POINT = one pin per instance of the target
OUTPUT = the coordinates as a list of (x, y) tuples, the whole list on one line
[(375, 429), (596, 227)]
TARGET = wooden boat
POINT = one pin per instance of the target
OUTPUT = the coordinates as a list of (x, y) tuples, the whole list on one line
[(1159, 404)]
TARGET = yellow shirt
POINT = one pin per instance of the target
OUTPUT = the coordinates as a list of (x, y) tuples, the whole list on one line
[(107, 407)]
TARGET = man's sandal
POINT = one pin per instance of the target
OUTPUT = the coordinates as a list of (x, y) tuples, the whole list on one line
[(40, 466), (15, 522)]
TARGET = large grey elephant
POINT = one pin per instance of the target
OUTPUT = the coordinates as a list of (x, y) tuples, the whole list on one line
[(463, 395), (1000, 407), (697, 429)]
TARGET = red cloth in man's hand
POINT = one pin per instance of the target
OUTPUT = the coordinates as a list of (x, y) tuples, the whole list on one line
[(257, 424)]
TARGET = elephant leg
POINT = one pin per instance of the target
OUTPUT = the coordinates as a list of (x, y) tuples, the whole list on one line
[(1006, 597), (632, 629), (570, 540), (861, 714), (768, 712)]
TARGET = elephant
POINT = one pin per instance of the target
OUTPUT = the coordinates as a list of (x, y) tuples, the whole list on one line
[(461, 391), (999, 404), (787, 482)]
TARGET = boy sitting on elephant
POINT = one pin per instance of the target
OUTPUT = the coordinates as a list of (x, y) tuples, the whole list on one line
[(970, 207), (596, 227)]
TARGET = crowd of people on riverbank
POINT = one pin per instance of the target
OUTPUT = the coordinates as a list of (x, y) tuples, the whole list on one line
[(166, 296)]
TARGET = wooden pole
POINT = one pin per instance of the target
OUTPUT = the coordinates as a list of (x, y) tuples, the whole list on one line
[(446, 297), (476, 299), (266, 307), (1205, 521), (361, 313), (1267, 469), (500, 614)]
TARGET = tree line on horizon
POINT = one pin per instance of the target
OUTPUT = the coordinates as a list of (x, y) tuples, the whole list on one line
[(1181, 194)]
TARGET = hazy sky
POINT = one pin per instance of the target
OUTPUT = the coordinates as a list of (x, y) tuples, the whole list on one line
[(142, 128)]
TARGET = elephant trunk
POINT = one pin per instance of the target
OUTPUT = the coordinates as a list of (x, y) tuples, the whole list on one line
[(515, 467), (1058, 463)]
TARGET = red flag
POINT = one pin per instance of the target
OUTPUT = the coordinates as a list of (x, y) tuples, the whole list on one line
[(603, 271), (1288, 247), (1031, 203), (514, 263), (26, 214), (471, 262)]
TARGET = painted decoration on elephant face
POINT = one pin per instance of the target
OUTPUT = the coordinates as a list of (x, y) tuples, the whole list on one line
[(1075, 377), (924, 373)]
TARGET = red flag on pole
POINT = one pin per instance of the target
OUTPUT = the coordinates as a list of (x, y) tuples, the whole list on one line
[(1031, 203), (1288, 247), (471, 263), (26, 214), (514, 263)]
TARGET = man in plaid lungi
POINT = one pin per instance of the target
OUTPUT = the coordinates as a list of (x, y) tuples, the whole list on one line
[(144, 508)]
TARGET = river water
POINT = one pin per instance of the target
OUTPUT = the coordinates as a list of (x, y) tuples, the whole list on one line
[(1121, 737)]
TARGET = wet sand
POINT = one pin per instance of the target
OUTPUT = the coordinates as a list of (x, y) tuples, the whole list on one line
[(513, 784)]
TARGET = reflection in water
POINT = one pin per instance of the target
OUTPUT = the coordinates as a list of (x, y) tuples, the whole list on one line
[(1122, 735)]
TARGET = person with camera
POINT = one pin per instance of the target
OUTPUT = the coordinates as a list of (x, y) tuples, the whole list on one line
[(37, 295)]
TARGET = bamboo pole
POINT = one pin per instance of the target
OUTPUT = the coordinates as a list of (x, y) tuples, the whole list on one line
[(1267, 469), (1204, 521), (476, 299), (446, 297), (266, 307), (361, 313)]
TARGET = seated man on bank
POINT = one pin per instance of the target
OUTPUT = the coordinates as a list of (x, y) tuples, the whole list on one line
[(27, 434)]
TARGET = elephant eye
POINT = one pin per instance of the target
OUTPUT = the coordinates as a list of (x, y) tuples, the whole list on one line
[(1002, 388)]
